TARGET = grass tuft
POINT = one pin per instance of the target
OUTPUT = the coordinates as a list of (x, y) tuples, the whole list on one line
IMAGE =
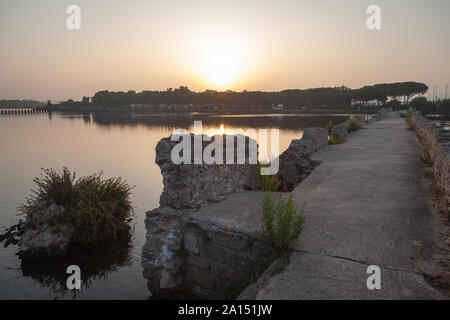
[(333, 140), (283, 222), (329, 126), (100, 209), (426, 157), (354, 126)]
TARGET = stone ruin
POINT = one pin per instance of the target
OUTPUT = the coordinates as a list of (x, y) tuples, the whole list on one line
[(199, 248)]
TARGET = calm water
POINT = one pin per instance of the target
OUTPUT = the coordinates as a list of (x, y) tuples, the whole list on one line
[(440, 119), (120, 144)]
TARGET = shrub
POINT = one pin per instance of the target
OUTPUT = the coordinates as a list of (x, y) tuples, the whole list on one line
[(353, 125), (426, 157), (283, 222), (334, 140), (329, 126), (100, 209)]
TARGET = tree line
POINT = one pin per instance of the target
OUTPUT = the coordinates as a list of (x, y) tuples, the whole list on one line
[(425, 106), (332, 97)]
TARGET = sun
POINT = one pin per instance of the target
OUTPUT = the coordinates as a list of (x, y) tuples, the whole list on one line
[(221, 69), (221, 59)]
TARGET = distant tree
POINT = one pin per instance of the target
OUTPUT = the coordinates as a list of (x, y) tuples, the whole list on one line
[(394, 104), (444, 106), (410, 89), (85, 101), (422, 104)]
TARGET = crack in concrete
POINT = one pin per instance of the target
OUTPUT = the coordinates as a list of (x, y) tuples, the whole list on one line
[(358, 261)]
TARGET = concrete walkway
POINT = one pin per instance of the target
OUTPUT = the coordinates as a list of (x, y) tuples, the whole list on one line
[(368, 203)]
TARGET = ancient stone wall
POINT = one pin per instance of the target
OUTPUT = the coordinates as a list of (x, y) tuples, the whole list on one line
[(220, 262), (193, 250), (437, 140), (182, 256), (340, 131), (204, 253), (193, 185), (294, 164)]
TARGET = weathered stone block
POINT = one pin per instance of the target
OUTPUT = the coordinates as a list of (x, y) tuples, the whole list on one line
[(192, 185), (192, 241), (197, 261), (205, 279), (340, 130), (228, 239)]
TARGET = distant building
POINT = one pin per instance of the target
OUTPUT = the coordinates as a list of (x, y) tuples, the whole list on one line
[(179, 106), (277, 107)]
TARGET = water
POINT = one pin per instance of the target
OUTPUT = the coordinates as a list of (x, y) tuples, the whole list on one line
[(440, 119), (121, 145)]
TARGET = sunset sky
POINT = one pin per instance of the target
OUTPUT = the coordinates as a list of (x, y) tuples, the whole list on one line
[(206, 44)]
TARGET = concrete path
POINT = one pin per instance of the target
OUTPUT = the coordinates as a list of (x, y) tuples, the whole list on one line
[(368, 203)]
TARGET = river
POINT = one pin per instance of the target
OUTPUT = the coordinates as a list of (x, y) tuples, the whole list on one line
[(121, 144)]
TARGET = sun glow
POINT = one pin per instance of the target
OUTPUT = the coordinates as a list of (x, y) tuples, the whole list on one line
[(221, 59), (220, 69)]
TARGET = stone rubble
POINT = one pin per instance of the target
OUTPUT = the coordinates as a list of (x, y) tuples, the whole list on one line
[(48, 233), (437, 140)]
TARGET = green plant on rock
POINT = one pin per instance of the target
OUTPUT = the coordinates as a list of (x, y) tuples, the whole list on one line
[(354, 126), (283, 222), (99, 209), (426, 157), (329, 126), (333, 140)]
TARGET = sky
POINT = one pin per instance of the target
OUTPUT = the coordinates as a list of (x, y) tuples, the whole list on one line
[(206, 44)]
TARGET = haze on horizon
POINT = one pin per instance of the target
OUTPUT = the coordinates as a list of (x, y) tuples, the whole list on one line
[(238, 45)]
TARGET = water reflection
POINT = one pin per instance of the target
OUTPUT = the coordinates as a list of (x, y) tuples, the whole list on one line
[(286, 122), (95, 264)]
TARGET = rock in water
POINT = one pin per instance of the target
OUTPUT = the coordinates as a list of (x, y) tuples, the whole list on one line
[(48, 233)]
